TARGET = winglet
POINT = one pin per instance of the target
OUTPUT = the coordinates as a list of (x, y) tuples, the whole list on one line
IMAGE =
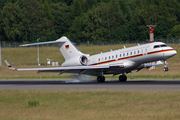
[(9, 65)]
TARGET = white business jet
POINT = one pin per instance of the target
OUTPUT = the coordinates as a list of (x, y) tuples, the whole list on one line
[(116, 62)]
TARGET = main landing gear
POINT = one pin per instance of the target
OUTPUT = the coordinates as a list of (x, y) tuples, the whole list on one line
[(165, 66), (100, 78), (122, 78)]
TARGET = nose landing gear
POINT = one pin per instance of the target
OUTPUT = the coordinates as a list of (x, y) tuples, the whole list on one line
[(165, 69), (165, 66)]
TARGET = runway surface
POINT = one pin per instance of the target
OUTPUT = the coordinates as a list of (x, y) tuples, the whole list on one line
[(89, 85)]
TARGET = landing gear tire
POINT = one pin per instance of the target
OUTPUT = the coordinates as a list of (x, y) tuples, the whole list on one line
[(100, 78), (122, 78), (165, 66), (166, 69)]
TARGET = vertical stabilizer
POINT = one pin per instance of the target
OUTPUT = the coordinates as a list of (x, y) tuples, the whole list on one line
[(67, 48)]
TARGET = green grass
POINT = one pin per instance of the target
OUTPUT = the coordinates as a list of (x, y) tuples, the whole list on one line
[(84, 105), (27, 57), (89, 105), (33, 103)]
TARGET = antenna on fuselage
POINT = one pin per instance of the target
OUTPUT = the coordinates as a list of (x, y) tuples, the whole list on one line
[(124, 47)]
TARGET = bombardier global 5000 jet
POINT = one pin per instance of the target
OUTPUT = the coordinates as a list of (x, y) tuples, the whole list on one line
[(121, 61)]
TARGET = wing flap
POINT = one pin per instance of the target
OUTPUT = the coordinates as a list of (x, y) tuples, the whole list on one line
[(64, 68)]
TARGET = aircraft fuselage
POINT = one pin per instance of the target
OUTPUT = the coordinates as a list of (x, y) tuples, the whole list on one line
[(134, 56)]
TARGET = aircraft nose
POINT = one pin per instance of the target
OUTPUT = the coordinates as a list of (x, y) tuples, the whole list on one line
[(170, 54), (175, 52)]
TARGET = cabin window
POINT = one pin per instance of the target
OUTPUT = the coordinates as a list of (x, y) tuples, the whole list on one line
[(112, 56), (138, 51), (127, 54), (102, 58), (105, 58), (120, 55), (99, 59), (109, 57), (134, 52), (116, 56), (131, 53), (123, 54)]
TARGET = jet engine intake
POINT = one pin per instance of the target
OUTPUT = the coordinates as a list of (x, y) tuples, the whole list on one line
[(76, 61), (83, 60)]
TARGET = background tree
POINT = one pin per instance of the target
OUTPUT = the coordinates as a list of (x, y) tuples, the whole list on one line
[(99, 22), (175, 32), (87, 20), (61, 13), (11, 19), (25, 21)]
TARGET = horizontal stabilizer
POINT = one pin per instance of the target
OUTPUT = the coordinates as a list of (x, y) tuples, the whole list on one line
[(42, 43)]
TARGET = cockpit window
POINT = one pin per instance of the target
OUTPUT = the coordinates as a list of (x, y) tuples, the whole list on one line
[(156, 46), (164, 45)]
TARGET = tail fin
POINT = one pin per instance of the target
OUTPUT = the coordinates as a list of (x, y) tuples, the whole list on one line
[(65, 46)]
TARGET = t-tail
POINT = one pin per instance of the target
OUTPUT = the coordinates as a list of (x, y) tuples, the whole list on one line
[(68, 50), (71, 54)]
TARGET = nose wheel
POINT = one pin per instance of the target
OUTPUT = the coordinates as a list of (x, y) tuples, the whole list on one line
[(166, 69), (165, 66)]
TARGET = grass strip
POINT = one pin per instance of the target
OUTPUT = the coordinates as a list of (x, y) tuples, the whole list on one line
[(89, 105)]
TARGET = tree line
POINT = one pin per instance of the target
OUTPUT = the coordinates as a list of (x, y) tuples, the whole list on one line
[(88, 20)]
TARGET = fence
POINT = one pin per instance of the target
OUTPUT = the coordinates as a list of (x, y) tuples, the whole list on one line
[(172, 41), (168, 41)]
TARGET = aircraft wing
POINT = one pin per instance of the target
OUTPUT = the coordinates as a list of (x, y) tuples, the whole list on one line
[(90, 70)]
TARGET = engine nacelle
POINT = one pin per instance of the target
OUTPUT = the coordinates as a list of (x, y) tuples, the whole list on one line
[(76, 61), (83, 60)]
